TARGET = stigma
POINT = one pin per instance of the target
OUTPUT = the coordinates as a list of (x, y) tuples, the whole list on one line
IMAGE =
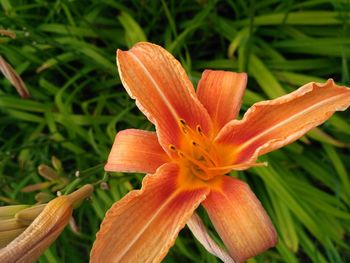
[(201, 156)]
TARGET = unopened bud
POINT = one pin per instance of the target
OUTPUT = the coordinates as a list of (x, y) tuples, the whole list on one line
[(28, 215), (43, 197), (10, 210), (7, 236), (8, 33), (15, 79), (47, 226), (9, 224), (35, 187), (56, 163), (47, 172)]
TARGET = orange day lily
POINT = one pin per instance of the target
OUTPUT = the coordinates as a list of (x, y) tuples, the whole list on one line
[(196, 143)]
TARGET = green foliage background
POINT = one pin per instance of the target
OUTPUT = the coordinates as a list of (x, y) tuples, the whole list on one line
[(65, 53)]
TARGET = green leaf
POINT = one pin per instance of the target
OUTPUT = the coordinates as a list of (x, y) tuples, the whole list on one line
[(133, 31)]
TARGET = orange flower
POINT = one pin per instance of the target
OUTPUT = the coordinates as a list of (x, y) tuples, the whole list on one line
[(197, 141)]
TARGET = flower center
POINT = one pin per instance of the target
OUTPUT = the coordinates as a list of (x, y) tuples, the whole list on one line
[(198, 153)]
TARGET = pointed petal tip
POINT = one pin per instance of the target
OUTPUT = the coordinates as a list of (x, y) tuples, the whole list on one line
[(147, 71), (137, 46), (262, 131), (147, 45), (119, 53)]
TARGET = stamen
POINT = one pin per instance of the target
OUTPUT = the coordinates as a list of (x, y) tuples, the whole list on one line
[(235, 166), (186, 129), (209, 145), (172, 147), (194, 161), (197, 150), (190, 159), (198, 135), (204, 153), (199, 130)]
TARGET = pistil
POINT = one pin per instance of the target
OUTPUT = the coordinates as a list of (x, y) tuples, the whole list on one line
[(202, 143), (197, 152)]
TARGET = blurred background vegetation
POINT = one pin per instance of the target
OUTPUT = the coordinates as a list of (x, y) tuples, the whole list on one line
[(65, 53)]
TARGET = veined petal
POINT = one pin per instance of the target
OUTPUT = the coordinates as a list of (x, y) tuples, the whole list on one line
[(239, 219), (162, 90), (221, 94), (145, 223), (136, 151), (198, 229), (269, 125)]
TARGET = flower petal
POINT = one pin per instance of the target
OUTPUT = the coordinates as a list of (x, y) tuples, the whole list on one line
[(162, 90), (221, 94), (269, 125), (136, 151), (198, 229), (145, 223), (239, 219)]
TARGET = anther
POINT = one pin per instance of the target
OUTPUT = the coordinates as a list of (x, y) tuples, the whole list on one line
[(172, 147), (199, 129), (183, 126), (182, 121), (181, 154)]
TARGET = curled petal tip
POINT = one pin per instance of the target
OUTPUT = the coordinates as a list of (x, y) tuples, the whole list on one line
[(262, 130)]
